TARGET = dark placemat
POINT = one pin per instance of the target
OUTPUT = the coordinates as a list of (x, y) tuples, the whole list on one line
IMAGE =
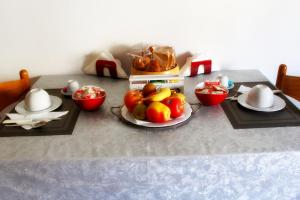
[(64, 126), (242, 118)]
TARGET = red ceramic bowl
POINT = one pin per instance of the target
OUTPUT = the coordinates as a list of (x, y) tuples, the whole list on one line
[(90, 104), (210, 99)]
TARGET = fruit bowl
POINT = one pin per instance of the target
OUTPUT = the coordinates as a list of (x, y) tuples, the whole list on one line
[(156, 105), (128, 117), (89, 98), (210, 98)]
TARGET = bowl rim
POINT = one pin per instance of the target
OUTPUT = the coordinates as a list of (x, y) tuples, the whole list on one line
[(202, 83), (198, 93), (100, 97)]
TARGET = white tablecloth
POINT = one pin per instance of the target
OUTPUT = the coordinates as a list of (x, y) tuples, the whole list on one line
[(106, 159)]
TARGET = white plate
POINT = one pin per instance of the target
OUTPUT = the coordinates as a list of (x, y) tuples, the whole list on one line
[(55, 103), (128, 117), (278, 104)]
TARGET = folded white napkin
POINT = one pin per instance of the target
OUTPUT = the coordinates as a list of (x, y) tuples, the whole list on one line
[(244, 89), (48, 115)]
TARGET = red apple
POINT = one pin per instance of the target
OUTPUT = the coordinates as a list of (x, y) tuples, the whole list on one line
[(132, 98), (175, 104), (157, 112)]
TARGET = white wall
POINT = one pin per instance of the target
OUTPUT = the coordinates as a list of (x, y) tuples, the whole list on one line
[(53, 36)]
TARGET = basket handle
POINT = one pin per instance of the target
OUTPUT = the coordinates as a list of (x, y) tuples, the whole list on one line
[(118, 113), (195, 107)]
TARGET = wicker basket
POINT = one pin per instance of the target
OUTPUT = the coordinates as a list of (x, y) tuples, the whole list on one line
[(174, 71)]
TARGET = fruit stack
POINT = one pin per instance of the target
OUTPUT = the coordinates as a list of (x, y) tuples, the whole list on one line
[(155, 64), (154, 105)]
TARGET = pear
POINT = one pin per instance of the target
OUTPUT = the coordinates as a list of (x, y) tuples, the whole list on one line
[(139, 111)]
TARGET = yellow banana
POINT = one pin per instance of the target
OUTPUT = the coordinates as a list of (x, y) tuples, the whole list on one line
[(160, 95)]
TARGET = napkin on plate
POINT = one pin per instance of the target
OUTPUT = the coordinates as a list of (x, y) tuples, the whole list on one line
[(244, 89), (48, 115)]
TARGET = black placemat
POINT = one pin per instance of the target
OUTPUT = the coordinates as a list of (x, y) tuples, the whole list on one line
[(242, 118), (64, 126)]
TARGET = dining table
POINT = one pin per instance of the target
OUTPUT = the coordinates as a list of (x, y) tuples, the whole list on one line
[(105, 158)]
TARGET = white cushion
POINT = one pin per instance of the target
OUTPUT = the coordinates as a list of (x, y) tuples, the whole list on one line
[(90, 64)]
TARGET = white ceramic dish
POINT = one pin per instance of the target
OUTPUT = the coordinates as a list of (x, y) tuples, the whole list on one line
[(55, 103), (230, 84), (37, 99), (69, 93), (71, 87), (278, 104), (128, 117), (260, 96)]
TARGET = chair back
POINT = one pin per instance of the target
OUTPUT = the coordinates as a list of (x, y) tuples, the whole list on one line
[(290, 85), (12, 91)]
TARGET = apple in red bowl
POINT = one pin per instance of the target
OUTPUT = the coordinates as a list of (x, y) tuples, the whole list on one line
[(89, 97), (211, 93)]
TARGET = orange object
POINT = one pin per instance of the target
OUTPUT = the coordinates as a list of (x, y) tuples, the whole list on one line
[(12, 91), (289, 85)]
